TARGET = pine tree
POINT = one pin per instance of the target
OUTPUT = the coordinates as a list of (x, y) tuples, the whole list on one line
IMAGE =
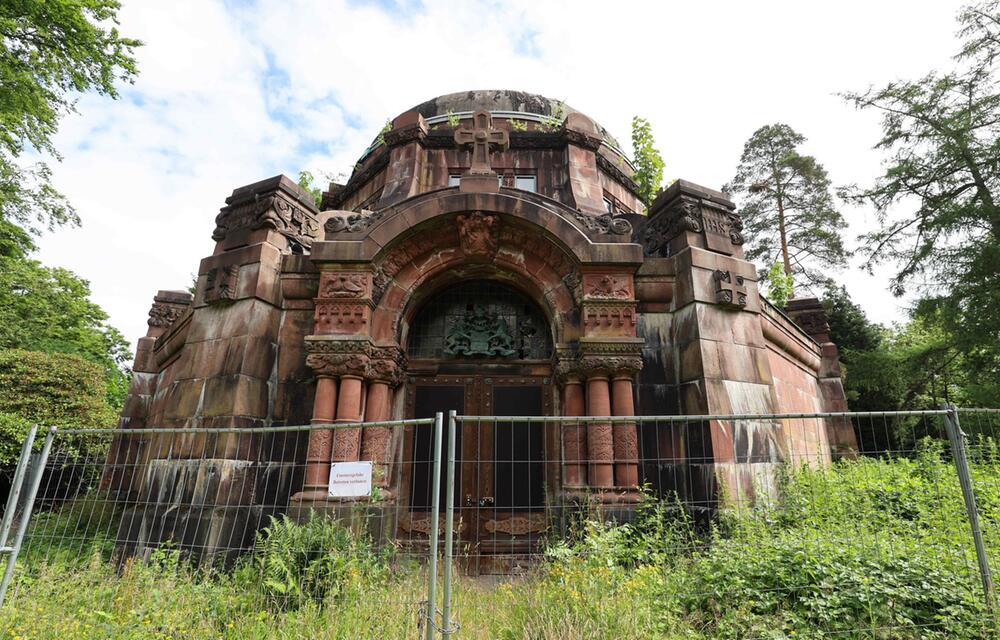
[(787, 206)]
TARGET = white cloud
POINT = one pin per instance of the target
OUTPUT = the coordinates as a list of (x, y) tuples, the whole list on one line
[(229, 94)]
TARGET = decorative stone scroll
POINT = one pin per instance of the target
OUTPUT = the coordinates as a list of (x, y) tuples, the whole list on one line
[(519, 525), (730, 289), (163, 313), (721, 228), (275, 211), (352, 222), (604, 223)]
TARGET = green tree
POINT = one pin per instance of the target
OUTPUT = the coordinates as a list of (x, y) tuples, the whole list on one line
[(648, 162), (937, 200), (780, 285), (50, 51), (49, 310), (850, 328), (306, 180), (787, 206)]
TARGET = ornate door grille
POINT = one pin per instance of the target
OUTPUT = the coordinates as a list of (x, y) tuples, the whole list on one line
[(480, 319)]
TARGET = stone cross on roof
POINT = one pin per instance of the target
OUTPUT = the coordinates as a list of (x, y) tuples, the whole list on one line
[(481, 137)]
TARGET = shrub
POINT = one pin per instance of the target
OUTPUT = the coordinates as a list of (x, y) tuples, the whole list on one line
[(319, 559)]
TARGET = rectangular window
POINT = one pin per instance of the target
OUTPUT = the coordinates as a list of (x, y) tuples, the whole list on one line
[(525, 183), (453, 179)]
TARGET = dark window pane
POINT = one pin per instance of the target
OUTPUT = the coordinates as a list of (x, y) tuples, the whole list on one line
[(428, 400), (519, 449)]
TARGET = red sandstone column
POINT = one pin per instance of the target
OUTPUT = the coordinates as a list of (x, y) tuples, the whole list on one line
[(574, 436), (317, 476), (347, 442), (600, 448), (626, 441), (375, 441)]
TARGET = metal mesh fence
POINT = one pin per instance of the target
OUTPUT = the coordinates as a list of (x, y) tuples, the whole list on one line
[(853, 525)]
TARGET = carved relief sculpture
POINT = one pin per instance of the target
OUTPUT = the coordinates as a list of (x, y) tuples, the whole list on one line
[(477, 233), (274, 211), (479, 333), (730, 290), (220, 283)]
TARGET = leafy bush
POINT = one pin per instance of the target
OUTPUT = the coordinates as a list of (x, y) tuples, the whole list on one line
[(319, 559), (51, 389)]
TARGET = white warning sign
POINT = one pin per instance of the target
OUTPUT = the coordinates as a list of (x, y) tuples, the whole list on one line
[(350, 479)]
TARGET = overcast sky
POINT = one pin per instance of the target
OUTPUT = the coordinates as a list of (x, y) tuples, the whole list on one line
[(233, 92)]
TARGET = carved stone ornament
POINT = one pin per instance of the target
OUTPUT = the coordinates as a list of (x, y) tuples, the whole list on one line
[(380, 282), (220, 283), (567, 367), (343, 285), (482, 137), (595, 365), (608, 287), (812, 322), (477, 233), (274, 211), (730, 290), (519, 525), (604, 223), (479, 333), (683, 216), (721, 228), (353, 222), (164, 315), (387, 364), (408, 522), (338, 357)]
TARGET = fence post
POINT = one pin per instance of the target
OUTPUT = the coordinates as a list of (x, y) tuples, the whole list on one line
[(29, 505), (957, 440), (435, 511), (449, 523), (15, 488)]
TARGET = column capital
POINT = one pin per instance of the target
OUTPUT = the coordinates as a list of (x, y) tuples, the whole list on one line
[(338, 355), (387, 364), (612, 358)]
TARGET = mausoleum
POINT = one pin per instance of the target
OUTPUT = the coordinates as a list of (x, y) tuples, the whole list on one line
[(489, 254)]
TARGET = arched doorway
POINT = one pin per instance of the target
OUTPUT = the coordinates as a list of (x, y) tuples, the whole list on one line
[(484, 348)]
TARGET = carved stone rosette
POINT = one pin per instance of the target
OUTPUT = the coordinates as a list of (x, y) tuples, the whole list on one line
[(275, 211)]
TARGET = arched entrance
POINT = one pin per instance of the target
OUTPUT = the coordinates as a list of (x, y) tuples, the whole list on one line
[(484, 348)]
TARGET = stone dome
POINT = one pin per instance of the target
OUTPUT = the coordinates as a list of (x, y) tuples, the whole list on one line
[(502, 100)]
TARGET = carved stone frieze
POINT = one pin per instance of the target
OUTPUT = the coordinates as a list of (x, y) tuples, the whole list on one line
[(220, 283), (609, 314), (477, 234), (596, 365), (812, 322), (275, 211), (340, 357), (605, 286), (519, 525), (163, 315), (333, 316), (721, 228), (354, 222), (343, 285), (730, 289), (604, 223)]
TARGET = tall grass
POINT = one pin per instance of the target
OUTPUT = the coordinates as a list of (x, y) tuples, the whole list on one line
[(862, 549)]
